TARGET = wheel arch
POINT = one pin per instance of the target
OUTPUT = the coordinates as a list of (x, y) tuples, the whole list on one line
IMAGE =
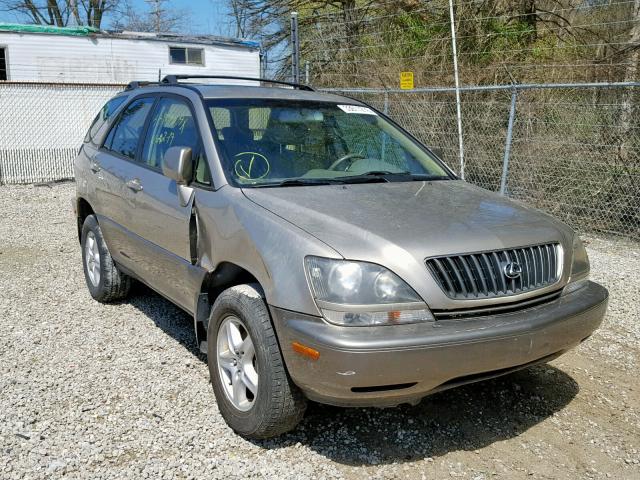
[(83, 210), (225, 275)]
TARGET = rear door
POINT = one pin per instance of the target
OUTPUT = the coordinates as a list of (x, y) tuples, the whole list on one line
[(160, 225), (111, 167)]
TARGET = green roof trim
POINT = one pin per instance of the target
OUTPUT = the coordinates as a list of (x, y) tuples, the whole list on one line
[(74, 31)]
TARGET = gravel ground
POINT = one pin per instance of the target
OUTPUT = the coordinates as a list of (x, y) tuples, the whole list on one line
[(119, 391)]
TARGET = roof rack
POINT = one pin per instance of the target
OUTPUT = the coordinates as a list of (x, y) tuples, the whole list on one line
[(173, 79), (139, 83)]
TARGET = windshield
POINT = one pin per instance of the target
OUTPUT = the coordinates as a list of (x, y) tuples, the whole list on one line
[(279, 142)]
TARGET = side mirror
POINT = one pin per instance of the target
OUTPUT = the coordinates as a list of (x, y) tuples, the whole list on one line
[(178, 165), (438, 152)]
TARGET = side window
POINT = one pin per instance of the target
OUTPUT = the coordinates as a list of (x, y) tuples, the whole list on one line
[(105, 114), (186, 56), (124, 135), (202, 174), (173, 125), (3, 64)]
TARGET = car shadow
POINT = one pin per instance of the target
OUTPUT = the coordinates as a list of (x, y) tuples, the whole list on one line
[(169, 318), (466, 418)]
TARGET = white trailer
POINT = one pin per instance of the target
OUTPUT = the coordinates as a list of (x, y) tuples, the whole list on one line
[(53, 81), (30, 53)]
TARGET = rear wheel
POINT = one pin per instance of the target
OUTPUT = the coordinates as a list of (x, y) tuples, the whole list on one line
[(105, 282), (255, 395)]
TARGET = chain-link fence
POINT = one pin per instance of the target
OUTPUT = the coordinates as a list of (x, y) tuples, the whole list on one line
[(42, 127), (574, 151), (564, 139), (366, 43)]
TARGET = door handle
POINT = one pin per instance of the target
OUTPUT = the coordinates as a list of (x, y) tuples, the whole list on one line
[(134, 184), (94, 166)]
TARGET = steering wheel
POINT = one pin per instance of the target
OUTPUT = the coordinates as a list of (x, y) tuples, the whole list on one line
[(344, 158)]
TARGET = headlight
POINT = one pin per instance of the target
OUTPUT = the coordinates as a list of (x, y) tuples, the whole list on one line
[(579, 267), (360, 293)]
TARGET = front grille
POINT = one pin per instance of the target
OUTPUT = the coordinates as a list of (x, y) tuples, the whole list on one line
[(482, 275), (500, 309)]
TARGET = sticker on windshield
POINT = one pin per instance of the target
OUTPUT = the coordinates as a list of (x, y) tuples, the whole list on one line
[(356, 109)]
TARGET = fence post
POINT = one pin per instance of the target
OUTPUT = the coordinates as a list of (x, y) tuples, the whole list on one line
[(295, 48), (507, 146), (457, 82)]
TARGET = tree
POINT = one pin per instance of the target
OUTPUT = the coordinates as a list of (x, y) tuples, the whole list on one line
[(158, 18), (61, 13), (630, 75), (239, 14), (163, 19), (268, 22)]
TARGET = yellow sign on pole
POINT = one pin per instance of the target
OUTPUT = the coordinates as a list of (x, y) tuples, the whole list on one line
[(406, 80)]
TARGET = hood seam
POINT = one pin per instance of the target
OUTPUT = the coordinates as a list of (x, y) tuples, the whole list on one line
[(291, 223)]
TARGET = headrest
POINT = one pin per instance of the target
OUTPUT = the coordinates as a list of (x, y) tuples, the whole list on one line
[(238, 136), (283, 134)]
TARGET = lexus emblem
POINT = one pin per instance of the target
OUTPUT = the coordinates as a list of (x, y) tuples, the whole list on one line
[(512, 270)]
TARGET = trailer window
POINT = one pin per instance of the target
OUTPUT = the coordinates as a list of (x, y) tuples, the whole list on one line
[(3, 64), (186, 56)]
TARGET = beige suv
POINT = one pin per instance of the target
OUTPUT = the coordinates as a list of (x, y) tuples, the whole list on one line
[(323, 252)]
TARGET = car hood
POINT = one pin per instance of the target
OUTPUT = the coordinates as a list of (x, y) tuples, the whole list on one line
[(372, 221), (399, 225)]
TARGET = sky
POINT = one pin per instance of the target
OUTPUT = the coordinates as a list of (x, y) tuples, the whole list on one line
[(206, 16)]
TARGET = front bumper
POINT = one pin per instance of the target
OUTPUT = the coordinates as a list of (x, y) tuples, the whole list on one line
[(389, 365)]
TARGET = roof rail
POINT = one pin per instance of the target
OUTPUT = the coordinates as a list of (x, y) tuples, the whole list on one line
[(139, 83), (173, 79)]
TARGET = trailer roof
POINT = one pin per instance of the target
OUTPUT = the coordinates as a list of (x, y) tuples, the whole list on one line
[(83, 31)]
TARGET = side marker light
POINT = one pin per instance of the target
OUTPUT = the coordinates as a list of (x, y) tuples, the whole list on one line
[(305, 351)]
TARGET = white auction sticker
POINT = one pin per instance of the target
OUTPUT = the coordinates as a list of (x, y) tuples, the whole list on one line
[(356, 109)]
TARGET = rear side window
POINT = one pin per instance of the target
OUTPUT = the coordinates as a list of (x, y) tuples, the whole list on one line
[(105, 114), (125, 134)]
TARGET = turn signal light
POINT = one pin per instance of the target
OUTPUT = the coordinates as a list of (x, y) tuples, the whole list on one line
[(305, 351), (393, 317)]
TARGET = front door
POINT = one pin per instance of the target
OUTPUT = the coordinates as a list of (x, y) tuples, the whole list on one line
[(158, 221)]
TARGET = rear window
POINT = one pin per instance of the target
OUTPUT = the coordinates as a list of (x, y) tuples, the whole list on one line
[(105, 114)]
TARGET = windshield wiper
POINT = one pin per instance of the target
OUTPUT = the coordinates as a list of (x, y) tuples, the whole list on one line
[(374, 176), (427, 177), (378, 176), (300, 182)]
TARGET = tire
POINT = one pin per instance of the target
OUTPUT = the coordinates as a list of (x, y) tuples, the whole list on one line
[(104, 281), (277, 405)]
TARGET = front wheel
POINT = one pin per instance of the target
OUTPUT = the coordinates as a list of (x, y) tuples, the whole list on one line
[(255, 395)]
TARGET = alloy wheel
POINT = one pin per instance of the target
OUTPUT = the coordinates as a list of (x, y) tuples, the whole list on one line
[(237, 364), (92, 258)]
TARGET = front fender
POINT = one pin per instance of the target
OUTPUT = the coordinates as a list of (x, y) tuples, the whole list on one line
[(233, 229)]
